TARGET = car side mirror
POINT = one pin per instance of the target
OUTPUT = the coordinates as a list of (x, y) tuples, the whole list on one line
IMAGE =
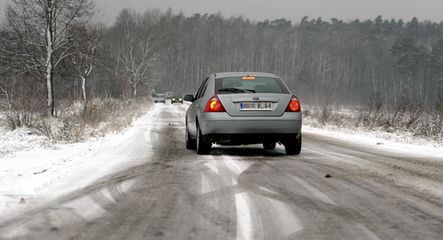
[(189, 98)]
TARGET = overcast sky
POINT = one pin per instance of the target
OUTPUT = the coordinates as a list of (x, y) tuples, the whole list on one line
[(289, 9)]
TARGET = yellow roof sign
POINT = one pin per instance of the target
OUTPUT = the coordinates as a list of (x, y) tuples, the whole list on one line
[(248, 78)]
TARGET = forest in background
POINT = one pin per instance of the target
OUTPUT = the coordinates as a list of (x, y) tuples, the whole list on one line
[(324, 62), (328, 62)]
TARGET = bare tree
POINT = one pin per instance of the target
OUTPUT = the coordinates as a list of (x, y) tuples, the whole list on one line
[(111, 63), (142, 45), (7, 89), (41, 28), (6, 83), (86, 41)]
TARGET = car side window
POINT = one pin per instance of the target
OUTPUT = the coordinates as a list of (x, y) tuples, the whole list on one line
[(202, 94), (202, 89)]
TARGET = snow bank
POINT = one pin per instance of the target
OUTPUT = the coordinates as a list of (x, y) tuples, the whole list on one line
[(381, 141), (21, 139), (27, 178)]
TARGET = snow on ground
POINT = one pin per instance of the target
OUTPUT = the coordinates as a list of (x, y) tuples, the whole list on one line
[(401, 142), (32, 173), (37, 173), (21, 139), (383, 141)]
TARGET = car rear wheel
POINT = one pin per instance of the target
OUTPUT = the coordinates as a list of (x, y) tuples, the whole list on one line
[(293, 145), (190, 143), (203, 147), (269, 145)]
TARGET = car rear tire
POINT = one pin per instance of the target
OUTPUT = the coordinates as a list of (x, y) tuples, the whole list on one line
[(269, 145), (293, 145), (190, 143), (203, 147)]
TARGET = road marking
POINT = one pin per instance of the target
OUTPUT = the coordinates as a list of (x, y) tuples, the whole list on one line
[(287, 222), (211, 165), (236, 166), (317, 193), (205, 187), (268, 190), (244, 218), (234, 181)]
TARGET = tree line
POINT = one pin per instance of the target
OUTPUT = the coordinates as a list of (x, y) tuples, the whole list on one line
[(324, 62), (51, 51)]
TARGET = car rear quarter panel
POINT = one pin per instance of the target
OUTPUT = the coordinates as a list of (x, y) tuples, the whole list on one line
[(196, 110)]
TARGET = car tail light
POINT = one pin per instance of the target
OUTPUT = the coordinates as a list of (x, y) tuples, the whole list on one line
[(294, 105), (214, 105)]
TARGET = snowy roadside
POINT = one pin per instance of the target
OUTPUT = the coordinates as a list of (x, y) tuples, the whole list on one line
[(402, 135), (32, 177), (29, 178), (21, 139), (399, 143)]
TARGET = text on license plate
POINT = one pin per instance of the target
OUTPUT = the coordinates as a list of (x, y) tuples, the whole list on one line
[(255, 106)]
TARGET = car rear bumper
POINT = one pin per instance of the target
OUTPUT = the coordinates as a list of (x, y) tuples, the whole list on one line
[(222, 123)]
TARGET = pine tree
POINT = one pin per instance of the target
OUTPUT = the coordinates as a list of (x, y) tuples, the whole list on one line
[(437, 70), (407, 55)]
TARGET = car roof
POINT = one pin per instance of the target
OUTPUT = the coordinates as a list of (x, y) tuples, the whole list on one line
[(240, 74)]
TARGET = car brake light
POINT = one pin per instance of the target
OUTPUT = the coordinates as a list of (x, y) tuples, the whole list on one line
[(214, 105), (294, 105)]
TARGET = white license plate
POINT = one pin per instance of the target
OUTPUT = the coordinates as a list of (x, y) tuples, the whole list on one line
[(255, 106)]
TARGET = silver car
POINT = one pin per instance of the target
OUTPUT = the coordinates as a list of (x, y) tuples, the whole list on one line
[(236, 108), (159, 97)]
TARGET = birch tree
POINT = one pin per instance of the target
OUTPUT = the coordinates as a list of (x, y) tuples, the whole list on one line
[(86, 39), (6, 60), (142, 45), (41, 28), (7, 84)]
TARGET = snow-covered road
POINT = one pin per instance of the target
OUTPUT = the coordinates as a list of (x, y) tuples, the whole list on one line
[(144, 184)]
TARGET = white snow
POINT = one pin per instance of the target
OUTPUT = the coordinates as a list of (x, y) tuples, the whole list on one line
[(244, 217), (381, 141), (31, 173), (29, 178), (20, 140)]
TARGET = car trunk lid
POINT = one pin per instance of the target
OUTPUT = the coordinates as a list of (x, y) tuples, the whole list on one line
[(255, 104)]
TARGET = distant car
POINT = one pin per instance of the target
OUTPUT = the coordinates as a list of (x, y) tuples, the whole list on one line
[(159, 98), (243, 108), (176, 99)]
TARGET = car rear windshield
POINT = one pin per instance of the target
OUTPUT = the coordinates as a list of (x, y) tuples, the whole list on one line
[(230, 85)]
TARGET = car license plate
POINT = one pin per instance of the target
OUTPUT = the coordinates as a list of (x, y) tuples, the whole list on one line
[(255, 106)]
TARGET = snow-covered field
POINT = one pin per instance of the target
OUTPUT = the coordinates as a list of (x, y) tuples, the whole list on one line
[(31, 172)]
